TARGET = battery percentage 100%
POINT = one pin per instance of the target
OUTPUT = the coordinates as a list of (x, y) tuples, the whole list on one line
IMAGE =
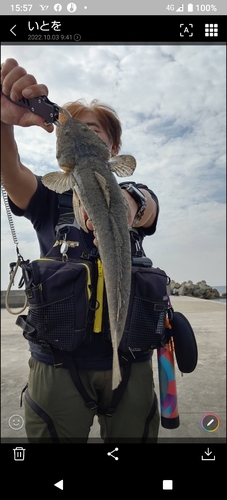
[(199, 8)]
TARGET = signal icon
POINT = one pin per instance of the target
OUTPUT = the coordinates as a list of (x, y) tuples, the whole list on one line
[(181, 8)]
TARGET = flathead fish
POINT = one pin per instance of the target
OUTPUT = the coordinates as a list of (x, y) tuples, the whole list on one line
[(88, 170)]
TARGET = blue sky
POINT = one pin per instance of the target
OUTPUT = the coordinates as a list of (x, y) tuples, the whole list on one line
[(171, 100)]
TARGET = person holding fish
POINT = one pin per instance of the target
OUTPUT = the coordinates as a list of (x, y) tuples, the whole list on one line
[(110, 221)]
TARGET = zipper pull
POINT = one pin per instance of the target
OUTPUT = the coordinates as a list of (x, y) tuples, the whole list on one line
[(64, 249)]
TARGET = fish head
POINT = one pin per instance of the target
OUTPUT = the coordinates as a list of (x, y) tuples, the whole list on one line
[(75, 140)]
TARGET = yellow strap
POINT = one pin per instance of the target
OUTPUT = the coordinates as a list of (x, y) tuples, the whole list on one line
[(99, 299)]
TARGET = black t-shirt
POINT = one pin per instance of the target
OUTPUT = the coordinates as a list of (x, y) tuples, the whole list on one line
[(43, 212)]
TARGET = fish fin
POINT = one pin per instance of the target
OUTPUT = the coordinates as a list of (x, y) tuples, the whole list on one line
[(116, 372), (122, 165), (102, 182), (58, 181), (78, 211)]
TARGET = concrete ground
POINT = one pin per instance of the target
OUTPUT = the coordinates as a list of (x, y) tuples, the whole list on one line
[(200, 392)]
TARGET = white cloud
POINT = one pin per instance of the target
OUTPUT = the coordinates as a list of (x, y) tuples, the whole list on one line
[(171, 101)]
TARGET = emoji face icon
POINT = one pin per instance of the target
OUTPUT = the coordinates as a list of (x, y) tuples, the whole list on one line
[(16, 422)]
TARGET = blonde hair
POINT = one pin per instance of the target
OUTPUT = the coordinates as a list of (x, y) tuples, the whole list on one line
[(106, 115)]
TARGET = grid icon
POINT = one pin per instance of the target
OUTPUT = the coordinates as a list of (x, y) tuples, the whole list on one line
[(211, 29)]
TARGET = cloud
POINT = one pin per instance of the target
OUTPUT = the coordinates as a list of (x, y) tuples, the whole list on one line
[(171, 100)]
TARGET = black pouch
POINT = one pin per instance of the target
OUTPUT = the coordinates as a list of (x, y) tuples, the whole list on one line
[(145, 327), (61, 302), (185, 345)]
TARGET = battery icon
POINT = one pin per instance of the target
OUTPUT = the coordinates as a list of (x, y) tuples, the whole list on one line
[(190, 7)]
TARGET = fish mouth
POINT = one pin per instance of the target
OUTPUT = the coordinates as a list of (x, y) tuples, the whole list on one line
[(67, 168)]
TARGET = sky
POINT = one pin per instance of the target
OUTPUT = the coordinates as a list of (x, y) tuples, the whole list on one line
[(171, 100)]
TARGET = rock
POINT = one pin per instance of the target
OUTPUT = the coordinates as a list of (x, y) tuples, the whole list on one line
[(182, 290), (199, 290), (174, 284)]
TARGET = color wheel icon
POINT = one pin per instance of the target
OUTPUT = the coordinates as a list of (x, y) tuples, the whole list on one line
[(210, 422)]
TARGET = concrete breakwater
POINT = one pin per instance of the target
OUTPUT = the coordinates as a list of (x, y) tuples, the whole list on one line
[(16, 298), (199, 290)]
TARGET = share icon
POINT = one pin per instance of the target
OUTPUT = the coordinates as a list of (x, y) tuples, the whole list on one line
[(110, 454)]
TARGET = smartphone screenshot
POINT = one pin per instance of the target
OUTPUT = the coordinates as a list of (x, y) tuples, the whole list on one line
[(79, 256)]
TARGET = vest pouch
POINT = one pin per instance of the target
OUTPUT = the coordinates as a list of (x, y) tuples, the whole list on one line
[(61, 301), (145, 327)]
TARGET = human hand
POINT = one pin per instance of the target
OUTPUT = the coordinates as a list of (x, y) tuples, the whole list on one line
[(131, 210), (89, 225), (17, 83)]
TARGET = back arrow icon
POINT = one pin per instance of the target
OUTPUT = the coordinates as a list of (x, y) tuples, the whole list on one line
[(12, 30)]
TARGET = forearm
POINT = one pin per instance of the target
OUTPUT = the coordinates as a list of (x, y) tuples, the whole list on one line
[(10, 160), (19, 182), (150, 211)]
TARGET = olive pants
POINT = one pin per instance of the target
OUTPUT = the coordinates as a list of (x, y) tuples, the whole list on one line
[(55, 410)]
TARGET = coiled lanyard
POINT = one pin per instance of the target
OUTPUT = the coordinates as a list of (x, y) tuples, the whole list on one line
[(14, 265)]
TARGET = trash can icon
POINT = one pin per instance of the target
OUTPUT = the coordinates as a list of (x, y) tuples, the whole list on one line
[(19, 453)]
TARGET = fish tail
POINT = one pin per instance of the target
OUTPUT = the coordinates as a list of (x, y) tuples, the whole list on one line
[(116, 372)]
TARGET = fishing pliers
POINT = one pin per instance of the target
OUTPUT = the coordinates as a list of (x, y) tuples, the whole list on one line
[(43, 107)]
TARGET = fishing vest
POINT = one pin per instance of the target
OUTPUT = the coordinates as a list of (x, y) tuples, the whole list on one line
[(66, 292), (67, 306), (72, 243)]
